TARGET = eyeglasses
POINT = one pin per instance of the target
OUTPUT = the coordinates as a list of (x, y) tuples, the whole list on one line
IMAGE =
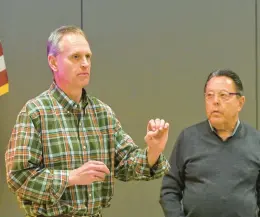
[(222, 95)]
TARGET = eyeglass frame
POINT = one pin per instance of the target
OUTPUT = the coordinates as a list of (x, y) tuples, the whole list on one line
[(229, 94)]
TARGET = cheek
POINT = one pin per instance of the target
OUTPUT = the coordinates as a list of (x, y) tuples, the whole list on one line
[(230, 109), (207, 106), (61, 70), (68, 70)]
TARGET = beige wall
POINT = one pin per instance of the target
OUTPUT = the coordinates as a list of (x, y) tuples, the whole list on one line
[(150, 59)]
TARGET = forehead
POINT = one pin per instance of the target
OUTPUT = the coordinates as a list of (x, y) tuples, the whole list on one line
[(221, 83), (72, 43)]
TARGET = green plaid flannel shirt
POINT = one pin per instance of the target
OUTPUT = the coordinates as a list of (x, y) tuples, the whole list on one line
[(54, 135)]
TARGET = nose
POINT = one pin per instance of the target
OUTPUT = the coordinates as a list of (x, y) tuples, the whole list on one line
[(85, 62), (216, 99)]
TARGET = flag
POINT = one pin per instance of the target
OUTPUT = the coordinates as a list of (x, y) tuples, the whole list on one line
[(4, 86)]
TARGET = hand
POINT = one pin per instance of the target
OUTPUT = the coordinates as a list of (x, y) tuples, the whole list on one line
[(92, 171), (157, 134), (156, 138)]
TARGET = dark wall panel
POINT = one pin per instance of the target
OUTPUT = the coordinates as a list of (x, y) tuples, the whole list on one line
[(151, 59)]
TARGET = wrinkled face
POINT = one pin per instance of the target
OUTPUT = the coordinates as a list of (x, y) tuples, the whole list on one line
[(222, 104), (71, 67)]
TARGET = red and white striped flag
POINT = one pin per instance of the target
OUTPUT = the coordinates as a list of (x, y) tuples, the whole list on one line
[(4, 86)]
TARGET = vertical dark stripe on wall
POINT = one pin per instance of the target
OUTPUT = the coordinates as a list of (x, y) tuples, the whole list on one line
[(81, 14), (256, 63)]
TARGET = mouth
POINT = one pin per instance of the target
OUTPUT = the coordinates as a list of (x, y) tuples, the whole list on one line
[(83, 74), (216, 112)]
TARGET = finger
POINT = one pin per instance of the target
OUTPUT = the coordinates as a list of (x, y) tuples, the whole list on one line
[(151, 125), (157, 133), (99, 175), (157, 123), (96, 162), (166, 125), (96, 179), (94, 165), (100, 168), (152, 134), (162, 123), (89, 164)]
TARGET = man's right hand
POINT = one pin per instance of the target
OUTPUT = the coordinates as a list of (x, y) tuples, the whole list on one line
[(92, 171)]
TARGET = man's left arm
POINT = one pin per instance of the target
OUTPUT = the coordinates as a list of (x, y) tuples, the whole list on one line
[(133, 163)]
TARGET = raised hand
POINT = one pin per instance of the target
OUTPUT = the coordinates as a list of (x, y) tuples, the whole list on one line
[(156, 138)]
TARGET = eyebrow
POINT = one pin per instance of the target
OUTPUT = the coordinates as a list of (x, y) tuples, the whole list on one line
[(81, 53)]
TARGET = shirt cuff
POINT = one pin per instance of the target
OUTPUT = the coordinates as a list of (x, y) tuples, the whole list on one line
[(60, 179), (159, 169)]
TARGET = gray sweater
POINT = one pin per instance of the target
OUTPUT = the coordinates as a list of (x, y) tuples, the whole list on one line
[(210, 177)]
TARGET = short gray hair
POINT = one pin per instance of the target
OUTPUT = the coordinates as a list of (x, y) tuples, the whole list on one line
[(55, 37)]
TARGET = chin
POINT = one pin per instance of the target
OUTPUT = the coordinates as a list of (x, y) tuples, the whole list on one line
[(214, 121), (84, 84)]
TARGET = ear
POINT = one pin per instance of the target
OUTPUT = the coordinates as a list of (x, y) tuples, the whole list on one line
[(242, 100), (52, 60)]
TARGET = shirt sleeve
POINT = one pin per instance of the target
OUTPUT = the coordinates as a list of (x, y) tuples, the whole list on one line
[(26, 175), (131, 162)]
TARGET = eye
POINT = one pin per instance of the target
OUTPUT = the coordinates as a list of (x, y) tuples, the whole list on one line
[(209, 95), (75, 56), (88, 56), (224, 95)]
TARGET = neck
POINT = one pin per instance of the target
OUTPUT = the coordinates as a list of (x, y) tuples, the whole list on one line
[(225, 130), (224, 134), (72, 92)]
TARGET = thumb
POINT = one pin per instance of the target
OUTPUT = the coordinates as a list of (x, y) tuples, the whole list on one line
[(151, 134)]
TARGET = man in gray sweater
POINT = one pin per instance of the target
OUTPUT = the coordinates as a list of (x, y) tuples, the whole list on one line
[(215, 164)]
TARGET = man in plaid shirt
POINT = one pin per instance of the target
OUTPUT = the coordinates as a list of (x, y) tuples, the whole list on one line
[(67, 147)]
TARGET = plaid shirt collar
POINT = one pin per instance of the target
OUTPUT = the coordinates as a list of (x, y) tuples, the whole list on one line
[(65, 101)]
